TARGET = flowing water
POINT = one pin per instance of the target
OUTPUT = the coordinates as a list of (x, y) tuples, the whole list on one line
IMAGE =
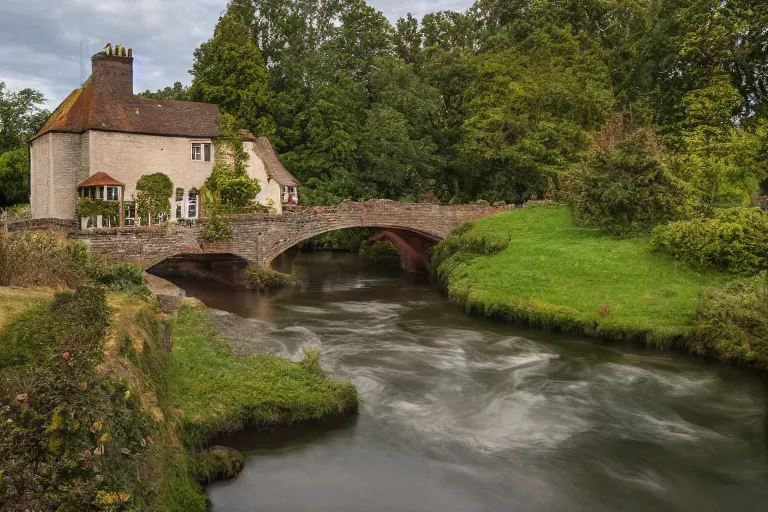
[(464, 414)]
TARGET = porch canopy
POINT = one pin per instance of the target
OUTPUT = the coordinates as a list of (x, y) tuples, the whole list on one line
[(102, 180)]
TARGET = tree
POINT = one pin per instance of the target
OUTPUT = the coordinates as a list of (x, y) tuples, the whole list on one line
[(153, 197), (625, 184), (14, 177), (178, 92), (229, 70), (721, 160), (20, 116), (530, 109)]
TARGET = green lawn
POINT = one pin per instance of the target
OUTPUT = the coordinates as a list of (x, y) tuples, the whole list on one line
[(14, 301), (215, 392), (557, 275)]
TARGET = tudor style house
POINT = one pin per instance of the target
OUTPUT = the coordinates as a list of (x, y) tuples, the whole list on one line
[(103, 138)]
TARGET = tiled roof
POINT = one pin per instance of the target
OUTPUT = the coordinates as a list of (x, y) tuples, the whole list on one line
[(274, 166), (99, 180), (98, 107)]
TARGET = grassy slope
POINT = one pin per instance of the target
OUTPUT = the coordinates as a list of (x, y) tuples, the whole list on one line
[(14, 301), (557, 275), (216, 392)]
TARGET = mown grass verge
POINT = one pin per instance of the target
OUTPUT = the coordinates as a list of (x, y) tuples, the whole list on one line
[(535, 267), (215, 392)]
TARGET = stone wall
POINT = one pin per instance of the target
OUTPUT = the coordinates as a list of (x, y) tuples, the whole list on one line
[(58, 162), (39, 225), (67, 171), (40, 177), (260, 237)]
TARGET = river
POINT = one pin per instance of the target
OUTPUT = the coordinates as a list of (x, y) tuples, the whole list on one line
[(465, 414)]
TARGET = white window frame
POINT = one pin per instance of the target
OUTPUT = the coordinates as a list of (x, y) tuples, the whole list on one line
[(200, 147)]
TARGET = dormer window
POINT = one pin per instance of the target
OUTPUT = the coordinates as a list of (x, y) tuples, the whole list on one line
[(201, 152)]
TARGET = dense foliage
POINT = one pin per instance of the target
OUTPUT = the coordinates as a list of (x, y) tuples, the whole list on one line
[(734, 240), (498, 101), (229, 187), (20, 117), (625, 184), (153, 199), (14, 177), (64, 427), (732, 323)]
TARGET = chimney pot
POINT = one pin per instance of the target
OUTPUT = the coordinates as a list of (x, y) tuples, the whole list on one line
[(114, 69)]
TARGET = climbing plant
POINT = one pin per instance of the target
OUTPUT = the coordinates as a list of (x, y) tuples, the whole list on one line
[(153, 197), (87, 208), (229, 182)]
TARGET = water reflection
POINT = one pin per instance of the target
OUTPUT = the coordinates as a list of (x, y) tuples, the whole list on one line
[(463, 414)]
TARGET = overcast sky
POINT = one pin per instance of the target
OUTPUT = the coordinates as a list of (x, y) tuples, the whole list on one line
[(40, 39)]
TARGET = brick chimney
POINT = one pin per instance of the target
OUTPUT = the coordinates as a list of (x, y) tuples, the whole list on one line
[(114, 68)]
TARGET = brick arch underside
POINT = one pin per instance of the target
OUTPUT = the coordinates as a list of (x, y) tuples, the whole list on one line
[(411, 243)]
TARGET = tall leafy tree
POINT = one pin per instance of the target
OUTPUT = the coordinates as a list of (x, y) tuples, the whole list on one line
[(177, 92), (21, 116), (530, 111), (720, 159), (229, 70), (14, 177)]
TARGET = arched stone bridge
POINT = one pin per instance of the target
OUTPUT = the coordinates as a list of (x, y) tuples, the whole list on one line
[(411, 227)]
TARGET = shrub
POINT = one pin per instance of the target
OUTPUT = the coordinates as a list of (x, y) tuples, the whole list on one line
[(87, 208), (379, 251), (119, 277), (624, 185), (15, 212), (463, 240), (735, 240), (41, 259), (34, 258), (260, 278), (153, 197), (217, 463), (732, 323), (217, 230), (62, 425)]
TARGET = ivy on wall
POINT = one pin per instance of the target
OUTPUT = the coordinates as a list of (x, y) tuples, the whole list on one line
[(153, 197), (87, 208)]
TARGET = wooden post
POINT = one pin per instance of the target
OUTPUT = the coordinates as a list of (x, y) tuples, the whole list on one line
[(122, 206)]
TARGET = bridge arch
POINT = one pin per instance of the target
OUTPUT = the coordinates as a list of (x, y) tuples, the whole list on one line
[(411, 244)]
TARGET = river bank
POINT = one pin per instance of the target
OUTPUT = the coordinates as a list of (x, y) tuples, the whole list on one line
[(460, 413), (94, 394), (535, 267)]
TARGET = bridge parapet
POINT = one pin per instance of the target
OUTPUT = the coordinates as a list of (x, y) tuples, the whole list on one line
[(262, 237)]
